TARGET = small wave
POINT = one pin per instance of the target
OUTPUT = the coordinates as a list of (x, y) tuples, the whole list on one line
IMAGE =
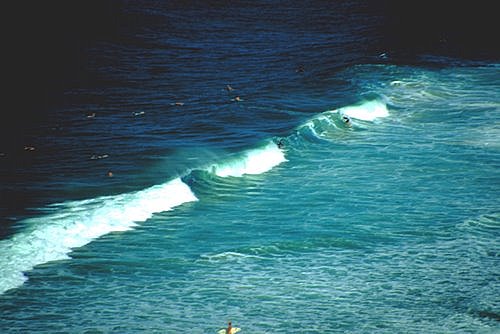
[(228, 256), (302, 246), (75, 224), (488, 223), (366, 111), (319, 127), (282, 249), (255, 161)]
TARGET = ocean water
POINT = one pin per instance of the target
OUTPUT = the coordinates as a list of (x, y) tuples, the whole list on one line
[(289, 167)]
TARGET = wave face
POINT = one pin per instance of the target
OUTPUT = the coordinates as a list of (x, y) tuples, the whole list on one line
[(75, 224), (331, 124)]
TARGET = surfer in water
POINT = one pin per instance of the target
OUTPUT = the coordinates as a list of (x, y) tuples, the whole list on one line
[(280, 143), (229, 330), (346, 120)]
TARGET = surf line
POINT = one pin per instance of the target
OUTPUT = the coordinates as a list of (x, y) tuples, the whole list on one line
[(76, 223)]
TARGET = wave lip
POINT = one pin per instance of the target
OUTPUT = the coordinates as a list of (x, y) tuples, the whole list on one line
[(256, 161), (77, 223)]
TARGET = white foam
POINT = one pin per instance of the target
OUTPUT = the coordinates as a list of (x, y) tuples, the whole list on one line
[(77, 223), (366, 111), (256, 161)]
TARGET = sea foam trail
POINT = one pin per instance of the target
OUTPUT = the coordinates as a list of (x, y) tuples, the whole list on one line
[(76, 223), (255, 161)]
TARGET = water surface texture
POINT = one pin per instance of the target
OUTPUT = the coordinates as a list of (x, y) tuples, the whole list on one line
[(324, 167)]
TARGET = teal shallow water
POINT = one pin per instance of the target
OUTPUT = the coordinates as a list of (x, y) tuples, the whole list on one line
[(388, 225)]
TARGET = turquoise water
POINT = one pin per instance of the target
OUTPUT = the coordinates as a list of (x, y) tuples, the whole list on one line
[(387, 224)]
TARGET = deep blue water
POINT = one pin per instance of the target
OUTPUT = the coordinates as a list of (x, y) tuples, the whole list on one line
[(323, 167)]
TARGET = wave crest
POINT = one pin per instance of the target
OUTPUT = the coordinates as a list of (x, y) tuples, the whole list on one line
[(365, 111)]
